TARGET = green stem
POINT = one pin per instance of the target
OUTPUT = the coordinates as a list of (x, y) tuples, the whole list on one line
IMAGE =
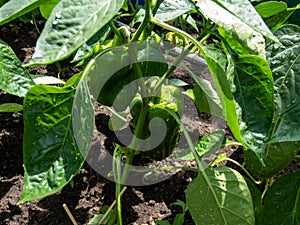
[(119, 116), (144, 24), (183, 54), (115, 30), (117, 161), (297, 157), (60, 72), (243, 168), (268, 182)]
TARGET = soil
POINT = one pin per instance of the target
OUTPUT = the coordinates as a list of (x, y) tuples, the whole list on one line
[(90, 191)]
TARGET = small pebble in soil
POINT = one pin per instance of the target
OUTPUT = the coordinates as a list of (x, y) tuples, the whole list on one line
[(151, 203)]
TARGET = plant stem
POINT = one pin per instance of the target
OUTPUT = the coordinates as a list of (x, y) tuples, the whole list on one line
[(111, 206), (297, 157), (148, 17), (115, 30), (266, 188), (118, 115), (243, 168)]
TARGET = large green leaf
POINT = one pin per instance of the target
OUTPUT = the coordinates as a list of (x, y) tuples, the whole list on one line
[(282, 202), (71, 24), (240, 19), (254, 94), (16, 8), (284, 134), (285, 64), (52, 156), (220, 196), (14, 78)]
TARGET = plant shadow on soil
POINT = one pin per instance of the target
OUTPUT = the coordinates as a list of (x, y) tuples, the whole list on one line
[(90, 191)]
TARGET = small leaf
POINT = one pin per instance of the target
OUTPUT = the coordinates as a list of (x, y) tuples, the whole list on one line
[(14, 78), (220, 158), (271, 8), (282, 202), (10, 107), (220, 196), (210, 143), (64, 32), (278, 20), (98, 216), (167, 10), (177, 83)]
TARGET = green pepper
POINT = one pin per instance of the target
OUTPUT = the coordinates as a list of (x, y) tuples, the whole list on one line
[(170, 99)]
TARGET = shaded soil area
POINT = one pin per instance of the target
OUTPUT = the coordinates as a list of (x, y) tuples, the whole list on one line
[(89, 191)]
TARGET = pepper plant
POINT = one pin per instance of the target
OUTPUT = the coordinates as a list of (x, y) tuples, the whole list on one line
[(252, 52)]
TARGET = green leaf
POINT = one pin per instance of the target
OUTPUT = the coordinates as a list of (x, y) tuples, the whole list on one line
[(10, 107), (210, 143), (16, 8), (206, 98), (277, 156), (87, 49), (42, 79), (98, 216), (52, 155), (278, 20), (216, 63), (254, 94), (206, 146), (220, 196), (47, 7), (240, 19), (271, 8), (70, 25), (14, 78), (284, 134), (257, 201), (167, 10), (282, 202), (285, 65)]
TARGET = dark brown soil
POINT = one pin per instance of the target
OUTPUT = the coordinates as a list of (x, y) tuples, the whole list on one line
[(90, 191)]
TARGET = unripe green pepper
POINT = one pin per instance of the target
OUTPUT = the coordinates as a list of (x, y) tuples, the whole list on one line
[(170, 99)]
